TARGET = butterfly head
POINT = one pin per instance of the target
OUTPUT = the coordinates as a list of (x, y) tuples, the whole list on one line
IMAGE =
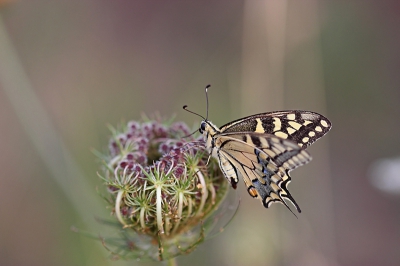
[(207, 128), (202, 127)]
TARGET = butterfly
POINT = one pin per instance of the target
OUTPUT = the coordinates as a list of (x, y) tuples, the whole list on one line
[(262, 149)]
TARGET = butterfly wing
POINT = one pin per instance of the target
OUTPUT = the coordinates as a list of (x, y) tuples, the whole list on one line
[(302, 127), (263, 161)]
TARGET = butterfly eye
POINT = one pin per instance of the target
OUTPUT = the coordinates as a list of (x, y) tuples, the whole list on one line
[(202, 127)]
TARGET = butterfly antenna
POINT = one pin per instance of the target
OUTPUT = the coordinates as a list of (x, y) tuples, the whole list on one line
[(206, 89), (187, 110), (191, 134)]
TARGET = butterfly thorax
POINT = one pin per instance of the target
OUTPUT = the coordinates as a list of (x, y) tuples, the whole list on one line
[(209, 130)]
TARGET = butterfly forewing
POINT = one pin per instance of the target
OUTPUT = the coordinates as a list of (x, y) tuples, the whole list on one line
[(302, 127)]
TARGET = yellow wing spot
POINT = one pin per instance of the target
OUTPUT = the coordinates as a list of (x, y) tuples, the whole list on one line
[(311, 133), (276, 140), (277, 123), (297, 160), (270, 153), (281, 134), (305, 139), (318, 129), (262, 156), (291, 116), (294, 125), (264, 143), (324, 123), (275, 196), (280, 148), (259, 127), (291, 162), (301, 157), (275, 178), (306, 122), (294, 162), (276, 150), (275, 187), (272, 168), (290, 130), (249, 140)]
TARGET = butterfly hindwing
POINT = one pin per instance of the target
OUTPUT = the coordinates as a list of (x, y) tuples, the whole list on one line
[(302, 127), (263, 161)]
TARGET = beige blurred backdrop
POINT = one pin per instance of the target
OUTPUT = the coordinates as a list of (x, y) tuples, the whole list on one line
[(69, 68)]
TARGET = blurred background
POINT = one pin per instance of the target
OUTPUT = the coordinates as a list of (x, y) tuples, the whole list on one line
[(69, 68)]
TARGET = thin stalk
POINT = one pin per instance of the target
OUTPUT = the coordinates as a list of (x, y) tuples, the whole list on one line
[(167, 225), (180, 207), (213, 193), (118, 207), (159, 210), (142, 224), (204, 192)]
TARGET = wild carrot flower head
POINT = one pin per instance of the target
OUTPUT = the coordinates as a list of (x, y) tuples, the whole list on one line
[(161, 190)]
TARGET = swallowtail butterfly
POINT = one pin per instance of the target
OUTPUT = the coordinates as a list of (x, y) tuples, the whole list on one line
[(262, 149)]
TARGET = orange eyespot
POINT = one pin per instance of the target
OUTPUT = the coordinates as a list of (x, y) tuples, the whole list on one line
[(252, 191)]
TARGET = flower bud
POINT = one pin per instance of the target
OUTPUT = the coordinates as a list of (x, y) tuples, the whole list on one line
[(161, 190)]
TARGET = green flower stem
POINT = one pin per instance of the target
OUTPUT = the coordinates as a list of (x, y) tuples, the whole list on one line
[(167, 225)]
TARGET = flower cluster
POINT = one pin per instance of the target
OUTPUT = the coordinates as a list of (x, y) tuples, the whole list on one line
[(161, 189)]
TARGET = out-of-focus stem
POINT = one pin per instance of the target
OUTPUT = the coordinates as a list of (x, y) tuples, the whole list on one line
[(213, 194), (172, 262)]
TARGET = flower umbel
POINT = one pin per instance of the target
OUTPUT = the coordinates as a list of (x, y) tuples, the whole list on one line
[(161, 190)]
